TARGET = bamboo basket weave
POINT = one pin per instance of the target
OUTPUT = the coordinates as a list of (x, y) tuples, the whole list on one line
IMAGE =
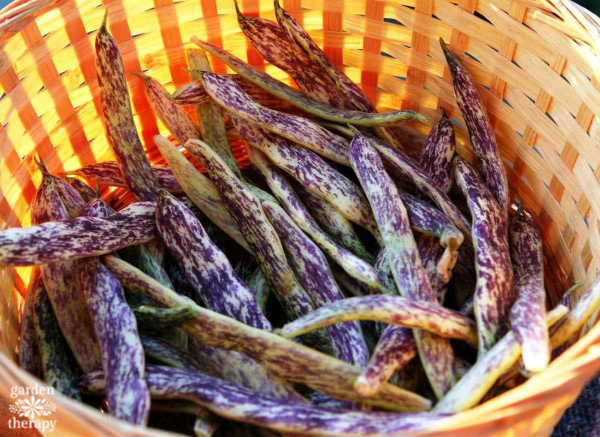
[(538, 62)]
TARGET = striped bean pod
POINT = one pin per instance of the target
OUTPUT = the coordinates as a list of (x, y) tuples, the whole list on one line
[(481, 131), (406, 167), (77, 238), (56, 200), (355, 267), (209, 114), (201, 191), (193, 93), (207, 268), (245, 207), (428, 220), (58, 370), (120, 126), (242, 370), (116, 329), (476, 382), (402, 254), (394, 310), (284, 358), (333, 222), (587, 305), (108, 173), (29, 358), (313, 270), (437, 154), (528, 311), (494, 294), (312, 172), (298, 129), (120, 346), (173, 116), (84, 190), (394, 349), (304, 102), (52, 195), (353, 96), (240, 404), (438, 270), (272, 42)]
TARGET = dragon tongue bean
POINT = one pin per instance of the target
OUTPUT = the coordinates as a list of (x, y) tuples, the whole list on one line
[(402, 255), (305, 102), (481, 132), (527, 313), (494, 294), (120, 126)]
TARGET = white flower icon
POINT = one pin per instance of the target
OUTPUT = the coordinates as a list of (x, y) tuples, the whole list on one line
[(33, 407)]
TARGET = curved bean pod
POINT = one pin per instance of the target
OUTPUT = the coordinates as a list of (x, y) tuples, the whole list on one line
[(120, 126), (481, 132), (528, 311), (394, 310), (207, 268), (402, 254), (494, 294), (437, 153), (284, 358), (240, 404)]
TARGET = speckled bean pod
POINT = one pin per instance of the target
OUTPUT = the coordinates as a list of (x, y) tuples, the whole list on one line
[(311, 171), (240, 404), (313, 270), (120, 126), (284, 358), (476, 382), (527, 313), (207, 268), (85, 191), (481, 131), (437, 153), (29, 358), (304, 102), (402, 254), (201, 191), (298, 129), (356, 267), (494, 294), (154, 318), (108, 173), (394, 310), (77, 238)]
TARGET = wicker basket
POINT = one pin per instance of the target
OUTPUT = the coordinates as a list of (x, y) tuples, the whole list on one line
[(539, 61)]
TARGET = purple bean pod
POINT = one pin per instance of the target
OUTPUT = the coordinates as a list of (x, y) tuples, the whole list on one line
[(207, 268), (108, 173), (281, 357), (303, 101), (494, 294), (311, 171), (313, 270), (357, 268), (480, 129), (437, 154), (395, 348), (120, 126), (240, 404), (295, 128), (411, 279), (69, 239), (85, 191), (29, 358), (528, 311)]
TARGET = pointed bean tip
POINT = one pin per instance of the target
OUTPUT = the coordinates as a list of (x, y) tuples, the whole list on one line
[(104, 22)]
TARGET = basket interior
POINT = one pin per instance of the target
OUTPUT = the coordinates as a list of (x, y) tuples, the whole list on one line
[(539, 79)]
